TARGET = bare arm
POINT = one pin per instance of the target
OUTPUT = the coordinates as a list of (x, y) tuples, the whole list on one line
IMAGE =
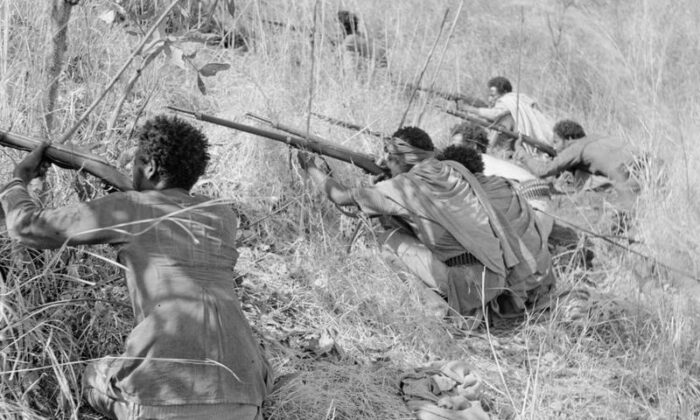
[(491, 114), (335, 191), (565, 160)]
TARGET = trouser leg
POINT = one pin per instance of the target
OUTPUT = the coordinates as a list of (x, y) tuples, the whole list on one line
[(404, 251), (95, 382)]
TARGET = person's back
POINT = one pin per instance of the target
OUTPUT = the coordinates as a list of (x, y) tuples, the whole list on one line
[(583, 156), (192, 353), (604, 156), (180, 254), (533, 275)]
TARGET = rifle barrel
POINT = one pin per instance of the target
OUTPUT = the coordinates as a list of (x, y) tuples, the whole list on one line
[(350, 125), (511, 134), (311, 143), (469, 100)]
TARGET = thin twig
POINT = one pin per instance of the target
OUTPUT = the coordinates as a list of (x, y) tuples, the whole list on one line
[(607, 239), (114, 80), (425, 66), (313, 69), (520, 60)]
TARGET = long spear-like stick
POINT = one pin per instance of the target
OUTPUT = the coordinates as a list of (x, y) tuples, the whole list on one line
[(425, 66), (437, 69), (114, 80)]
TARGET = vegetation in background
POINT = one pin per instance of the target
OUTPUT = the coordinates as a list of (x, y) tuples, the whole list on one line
[(342, 328)]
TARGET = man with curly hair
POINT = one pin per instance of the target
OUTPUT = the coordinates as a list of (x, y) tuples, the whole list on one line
[(532, 230), (192, 353), (514, 112), (475, 137), (446, 230), (585, 156)]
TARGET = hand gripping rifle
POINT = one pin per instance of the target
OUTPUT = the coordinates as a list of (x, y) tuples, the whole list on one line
[(510, 134), (295, 138), (69, 157)]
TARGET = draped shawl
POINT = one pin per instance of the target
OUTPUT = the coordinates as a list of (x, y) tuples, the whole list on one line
[(530, 119)]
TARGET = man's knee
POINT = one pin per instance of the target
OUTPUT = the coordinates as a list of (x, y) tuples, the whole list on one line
[(95, 382)]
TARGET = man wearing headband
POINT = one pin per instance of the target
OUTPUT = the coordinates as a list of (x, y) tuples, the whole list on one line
[(451, 237)]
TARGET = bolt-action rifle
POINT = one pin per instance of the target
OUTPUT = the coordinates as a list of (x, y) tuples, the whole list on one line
[(295, 138), (349, 125), (70, 157), (456, 97), (511, 134)]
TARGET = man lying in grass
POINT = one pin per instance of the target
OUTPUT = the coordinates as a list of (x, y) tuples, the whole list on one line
[(449, 234), (192, 353), (585, 156)]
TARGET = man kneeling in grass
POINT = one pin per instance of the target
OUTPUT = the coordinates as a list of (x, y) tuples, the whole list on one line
[(532, 231), (192, 353), (449, 235)]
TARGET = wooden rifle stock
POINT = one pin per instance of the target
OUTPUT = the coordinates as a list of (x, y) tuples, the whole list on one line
[(69, 157), (511, 134), (296, 139)]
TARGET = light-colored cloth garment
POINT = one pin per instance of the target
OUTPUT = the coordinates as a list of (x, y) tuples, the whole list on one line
[(444, 391), (527, 116), (191, 343), (506, 169)]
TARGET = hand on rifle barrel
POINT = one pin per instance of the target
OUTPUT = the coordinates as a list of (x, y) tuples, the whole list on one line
[(33, 165), (306, 160), (519, 152)]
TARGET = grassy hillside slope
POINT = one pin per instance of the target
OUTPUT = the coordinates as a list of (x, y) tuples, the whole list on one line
[(341, 327)]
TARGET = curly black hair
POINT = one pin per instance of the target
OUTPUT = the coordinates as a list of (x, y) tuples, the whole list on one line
[(178, 149), (415, 137), (569, 130), (472, 136), (501, 84), (468, 157), (349, 21)]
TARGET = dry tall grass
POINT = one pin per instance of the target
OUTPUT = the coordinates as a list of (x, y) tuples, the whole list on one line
[(341, 328)]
